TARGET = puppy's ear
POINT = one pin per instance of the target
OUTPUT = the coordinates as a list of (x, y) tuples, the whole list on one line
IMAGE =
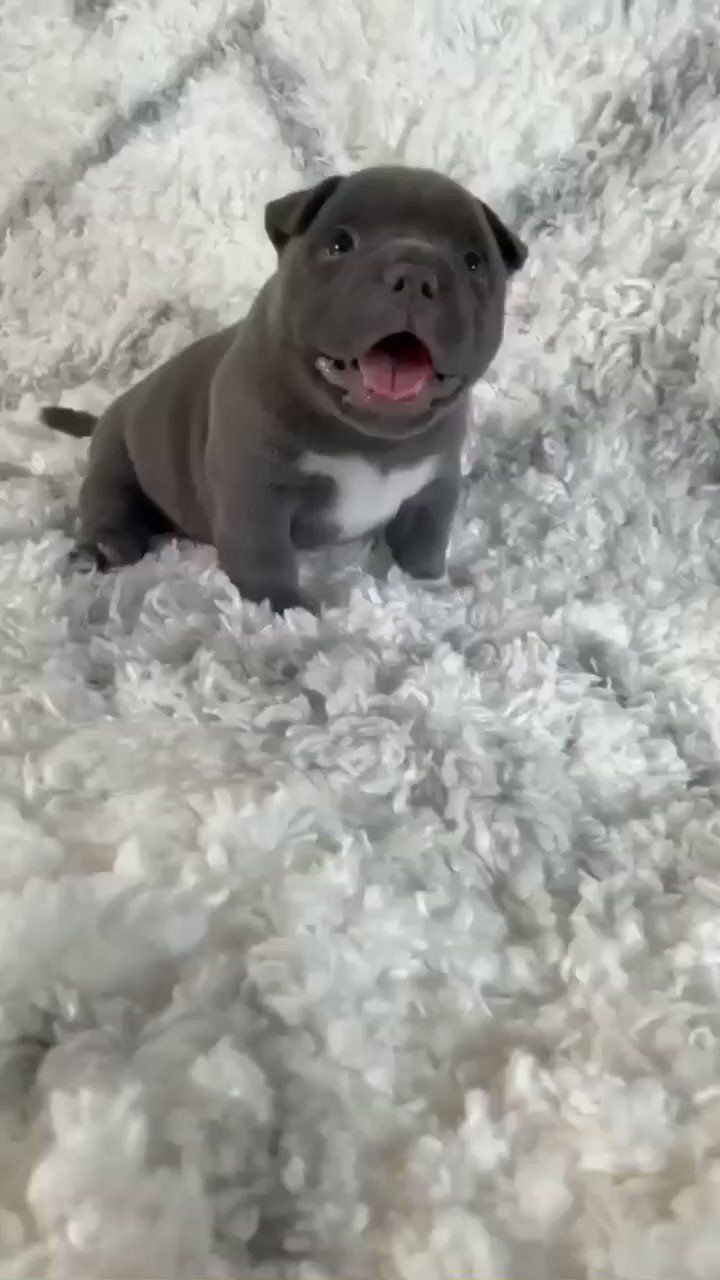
[(292, 214), (513, 250)]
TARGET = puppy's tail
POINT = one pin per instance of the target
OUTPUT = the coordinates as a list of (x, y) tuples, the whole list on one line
[(72, 422)]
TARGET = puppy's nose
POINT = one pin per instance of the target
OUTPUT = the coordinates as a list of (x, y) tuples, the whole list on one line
[(414, 279)]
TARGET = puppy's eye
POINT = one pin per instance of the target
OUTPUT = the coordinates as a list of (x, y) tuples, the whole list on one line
[(473, 261), (341, 241)]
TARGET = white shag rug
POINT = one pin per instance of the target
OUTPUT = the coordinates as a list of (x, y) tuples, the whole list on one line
[(387, 946)]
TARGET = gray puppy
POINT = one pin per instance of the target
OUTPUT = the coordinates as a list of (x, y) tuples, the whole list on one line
[(336, 408)]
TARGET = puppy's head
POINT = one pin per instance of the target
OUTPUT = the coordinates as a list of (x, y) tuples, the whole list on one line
[(393, 293)]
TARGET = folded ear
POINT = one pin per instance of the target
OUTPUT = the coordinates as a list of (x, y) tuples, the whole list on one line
[(513, 250), (292, 214)]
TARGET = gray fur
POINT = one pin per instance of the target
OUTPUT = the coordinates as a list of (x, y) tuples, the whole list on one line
[(214, 444)]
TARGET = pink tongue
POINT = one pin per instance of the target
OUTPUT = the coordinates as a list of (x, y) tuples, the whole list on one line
[(396, 375)]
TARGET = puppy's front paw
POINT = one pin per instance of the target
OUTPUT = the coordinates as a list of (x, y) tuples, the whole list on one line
[(285, 598), (105, 555), (280, 597), (428, 568), (420, 557), (86, 557)]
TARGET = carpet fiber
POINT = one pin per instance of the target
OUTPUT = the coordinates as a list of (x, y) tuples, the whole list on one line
[(384, 945)]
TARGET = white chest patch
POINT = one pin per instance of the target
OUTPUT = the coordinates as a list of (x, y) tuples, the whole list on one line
[(366, 497)]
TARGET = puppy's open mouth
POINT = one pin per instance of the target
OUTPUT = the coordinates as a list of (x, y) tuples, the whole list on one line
[(397, 369)]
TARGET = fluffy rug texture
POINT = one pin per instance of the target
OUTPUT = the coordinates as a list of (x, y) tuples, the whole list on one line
[(387, 944)]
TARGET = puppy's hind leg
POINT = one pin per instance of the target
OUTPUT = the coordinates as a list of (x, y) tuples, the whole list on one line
[(117, 520)]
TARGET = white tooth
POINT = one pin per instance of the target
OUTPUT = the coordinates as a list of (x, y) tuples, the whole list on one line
[(327, 368)]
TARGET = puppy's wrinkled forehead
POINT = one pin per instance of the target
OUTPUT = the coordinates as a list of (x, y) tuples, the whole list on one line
[(389, 200), (393, 201)]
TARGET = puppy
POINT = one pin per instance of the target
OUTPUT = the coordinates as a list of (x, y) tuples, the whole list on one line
[(335, 409)]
